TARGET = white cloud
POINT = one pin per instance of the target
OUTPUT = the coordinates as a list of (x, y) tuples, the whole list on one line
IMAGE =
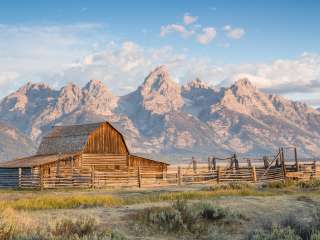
[(171, 28), (207, 36), (202, 35), (35, 51), (235, 33), (188, 19), (59, 54)]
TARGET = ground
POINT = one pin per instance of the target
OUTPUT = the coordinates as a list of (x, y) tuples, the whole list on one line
[(117, 210)]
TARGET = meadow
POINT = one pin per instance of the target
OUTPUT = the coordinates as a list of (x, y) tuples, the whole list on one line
[(279, 210)]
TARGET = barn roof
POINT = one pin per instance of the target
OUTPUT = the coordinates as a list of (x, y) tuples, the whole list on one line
[(68, 139), (34, 161), (63, 142)]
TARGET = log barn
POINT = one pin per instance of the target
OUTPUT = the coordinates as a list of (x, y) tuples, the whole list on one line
[(87, 155)]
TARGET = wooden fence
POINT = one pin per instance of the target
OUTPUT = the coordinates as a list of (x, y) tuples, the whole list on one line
[(142, 178)]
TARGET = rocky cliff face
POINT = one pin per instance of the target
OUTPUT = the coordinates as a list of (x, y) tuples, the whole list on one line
[(162, 117), (14, 144)]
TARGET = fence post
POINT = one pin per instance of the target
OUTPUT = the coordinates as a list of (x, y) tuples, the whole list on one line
[(139, 177), (314, 172), (218, 174), (209, 164), (179, 176), (254, 174), (164, 173), (92, 176), (41, 177), (236, 162), (283, 164), (72, 170), (214, 163), (194, 163), (296, 159), (249, 163), (265, 162), (19, 177)]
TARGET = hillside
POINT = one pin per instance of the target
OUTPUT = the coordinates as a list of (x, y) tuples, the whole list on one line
[(13, 143)]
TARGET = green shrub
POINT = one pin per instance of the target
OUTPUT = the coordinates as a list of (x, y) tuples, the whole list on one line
[(197, 218), (275, 233), (313, 183), (279, 184), (81, 227), (115, 235), (212, 212), (301, 228), (315, 236), (167, 219)]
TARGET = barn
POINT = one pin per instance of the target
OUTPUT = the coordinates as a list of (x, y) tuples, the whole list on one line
[(87, 155)]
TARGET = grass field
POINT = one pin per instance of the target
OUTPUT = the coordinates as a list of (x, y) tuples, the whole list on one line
[(232, 211)]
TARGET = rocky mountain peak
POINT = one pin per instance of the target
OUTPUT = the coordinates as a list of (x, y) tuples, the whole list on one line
[(29, 88), (243, 87), (96, 88), (159, 92), (159, 80), (69, 98), (98, 98), (196, 83)]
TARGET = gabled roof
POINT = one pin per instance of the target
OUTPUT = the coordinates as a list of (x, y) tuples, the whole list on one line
[(34, 161), (69, 139), (61, 143)]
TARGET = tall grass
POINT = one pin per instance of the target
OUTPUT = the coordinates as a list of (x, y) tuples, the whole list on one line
[(50, 201), (61, 201), (13, 226)]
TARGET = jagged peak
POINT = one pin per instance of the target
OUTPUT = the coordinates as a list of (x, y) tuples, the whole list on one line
[(70, 89), (196, 83), (94, 82), (244, 83), (159, 76), (95, 86), (32, 86), (243, 86)]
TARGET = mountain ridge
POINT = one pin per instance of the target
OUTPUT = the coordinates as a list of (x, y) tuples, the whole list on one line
[(162, 117)]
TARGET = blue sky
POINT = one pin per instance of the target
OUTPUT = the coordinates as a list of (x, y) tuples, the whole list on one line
[(274, 43)]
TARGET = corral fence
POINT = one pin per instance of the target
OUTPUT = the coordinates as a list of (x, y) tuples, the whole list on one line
[(214, 171)]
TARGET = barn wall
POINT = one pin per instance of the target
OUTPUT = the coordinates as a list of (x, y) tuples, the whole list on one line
[(62, 168), (105, 162), (146, 164), (105, 139), (12, 178)]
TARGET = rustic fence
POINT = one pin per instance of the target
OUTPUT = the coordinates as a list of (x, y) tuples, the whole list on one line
[(142, 178)]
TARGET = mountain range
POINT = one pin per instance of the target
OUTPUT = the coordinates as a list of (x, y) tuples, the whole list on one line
[(163, 118)]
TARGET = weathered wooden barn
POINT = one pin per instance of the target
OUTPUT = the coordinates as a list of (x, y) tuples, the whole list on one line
[(87, 155)]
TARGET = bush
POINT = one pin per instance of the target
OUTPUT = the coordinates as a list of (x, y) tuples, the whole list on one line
[(291, 228), (313, 183), (275, 233), (315, 236), (212, 212), (14, 227), (197, 218), (167, 219), (279, 184), (301, 228), (81, 227)]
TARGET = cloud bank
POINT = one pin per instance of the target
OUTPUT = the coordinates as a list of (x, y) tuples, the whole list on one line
[(60, 54)]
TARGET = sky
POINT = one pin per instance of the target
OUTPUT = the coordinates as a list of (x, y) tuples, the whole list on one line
[(273, 43)]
